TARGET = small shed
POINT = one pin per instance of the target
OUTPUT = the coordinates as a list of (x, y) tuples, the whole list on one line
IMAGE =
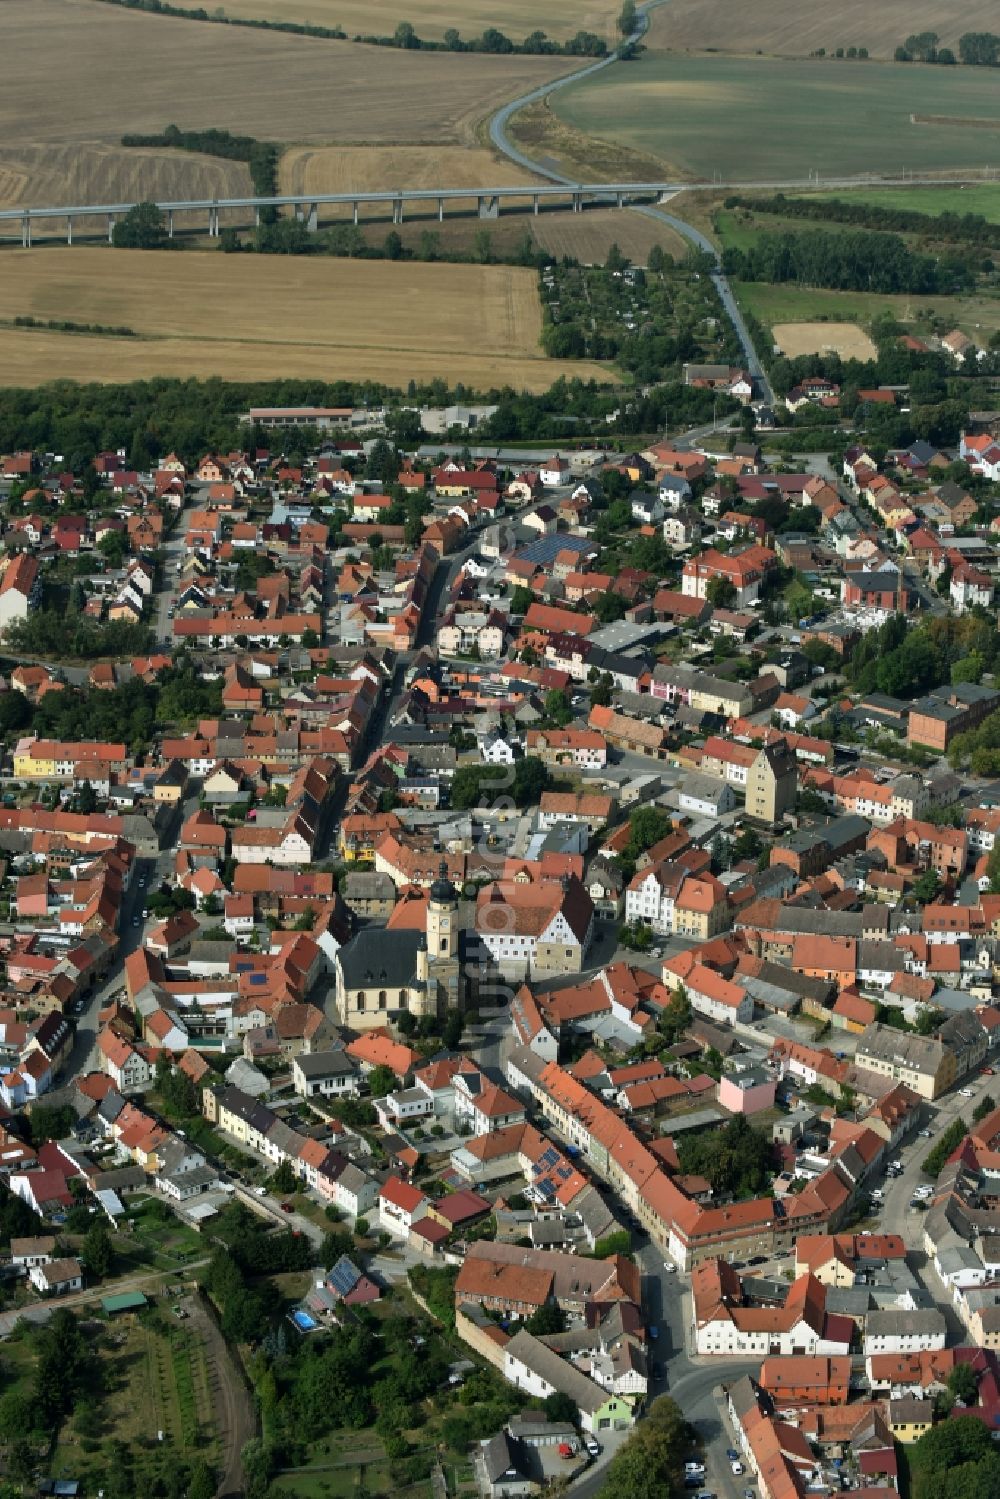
[(124, 1301)]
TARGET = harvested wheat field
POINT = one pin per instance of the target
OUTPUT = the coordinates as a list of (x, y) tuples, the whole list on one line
[(432, 18), (255, 317), (589, 236), (776, 27), (116, 71), (335, 169), (46, 176), (845, 339)]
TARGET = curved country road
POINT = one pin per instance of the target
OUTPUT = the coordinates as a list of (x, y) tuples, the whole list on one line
[(503, 143)]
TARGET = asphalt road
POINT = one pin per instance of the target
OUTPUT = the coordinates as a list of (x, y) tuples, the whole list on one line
[(500, 138)]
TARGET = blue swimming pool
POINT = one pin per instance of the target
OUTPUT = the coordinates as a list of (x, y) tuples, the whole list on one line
[(304, 1321)]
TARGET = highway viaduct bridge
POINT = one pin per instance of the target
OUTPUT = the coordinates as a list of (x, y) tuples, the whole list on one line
[(307, 207)]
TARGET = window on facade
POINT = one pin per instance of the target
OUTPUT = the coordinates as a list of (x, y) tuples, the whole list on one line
[(361, 999), (382, 999), (444, 944)]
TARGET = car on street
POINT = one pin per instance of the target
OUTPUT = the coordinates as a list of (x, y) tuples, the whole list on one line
[(732, 1454), (986, 1071), (592, 1446), (669, 1269), (142, 881), (926, 1134), (136, 920), (749, 1494), (286, 1207), (692, 1467), (967, 1092), (737, 1468), (654, 1332), (260, 1191)]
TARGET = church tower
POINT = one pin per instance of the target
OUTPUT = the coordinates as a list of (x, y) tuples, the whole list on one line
[(443, 966)]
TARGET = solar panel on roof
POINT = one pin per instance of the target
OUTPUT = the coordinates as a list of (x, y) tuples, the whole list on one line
[(547, 1189), (344, 1276), (258, 978)]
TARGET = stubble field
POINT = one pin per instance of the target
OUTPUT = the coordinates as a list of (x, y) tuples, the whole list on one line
[(333, 169), (75, 71), (776, 27), (432, 18), (202, 313)]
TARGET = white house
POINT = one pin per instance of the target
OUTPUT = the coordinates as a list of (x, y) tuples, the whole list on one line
[(705, 796), (904, 1331), (554, 471), (650, 898), (324, 1074), (400, 1206), (718, 999), (487, 1107), (56, 1277), (647, 509)]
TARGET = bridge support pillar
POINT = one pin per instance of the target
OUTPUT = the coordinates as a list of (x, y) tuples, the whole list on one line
[(69, 228), (440, 210), (619, 200), (534, 205), (256, 218), (26, 232), (213, 223), (355, 211), (577, 202), (312, 222), (111, 228), (397, 210), (489, 207), (170, 223)]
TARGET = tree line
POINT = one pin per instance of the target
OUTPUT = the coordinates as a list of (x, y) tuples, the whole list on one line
[(536, 44), (583, 44), (976, 49), (261, 157), (847, 262), (971, 227)]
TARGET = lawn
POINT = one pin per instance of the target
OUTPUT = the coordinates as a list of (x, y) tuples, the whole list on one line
[(707, 116), (981, 198), (801, 304)]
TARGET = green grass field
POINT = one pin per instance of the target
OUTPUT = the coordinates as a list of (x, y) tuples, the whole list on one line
[(806, 304), (759, 119), (972, 198)]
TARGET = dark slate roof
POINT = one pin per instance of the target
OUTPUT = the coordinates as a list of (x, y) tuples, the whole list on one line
[(378, 957)]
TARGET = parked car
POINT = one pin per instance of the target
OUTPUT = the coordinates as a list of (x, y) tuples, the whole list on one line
[(592, 1446), (737, 1468), (967, 1092), (732, 1454), (286, 1207)]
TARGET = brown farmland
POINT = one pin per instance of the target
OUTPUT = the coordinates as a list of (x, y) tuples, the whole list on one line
[(781, 29), (116, 71), (256, 317), (432, 18)]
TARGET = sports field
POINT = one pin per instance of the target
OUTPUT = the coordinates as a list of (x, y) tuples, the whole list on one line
[(432, 18), (845, 339), (717, 115), (775, 26), (255, 317), (75, 71)]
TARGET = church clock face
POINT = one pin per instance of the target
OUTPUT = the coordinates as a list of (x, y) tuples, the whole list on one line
[(445, 923)]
